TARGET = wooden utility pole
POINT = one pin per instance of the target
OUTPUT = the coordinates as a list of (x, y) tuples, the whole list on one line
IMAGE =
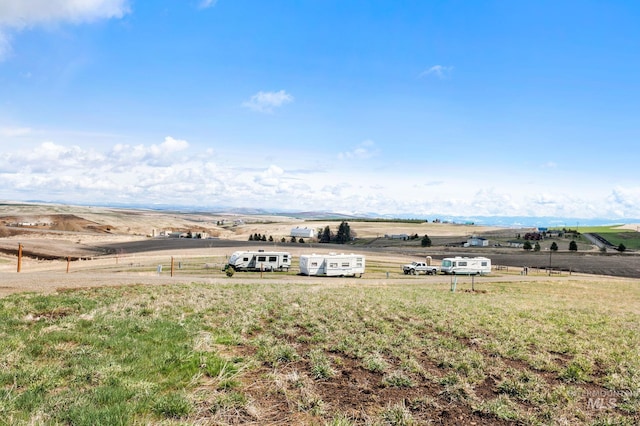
[(68, 262), (172, 266), (19, 257)]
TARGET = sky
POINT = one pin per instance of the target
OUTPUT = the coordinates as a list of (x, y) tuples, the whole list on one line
[(394, 107)]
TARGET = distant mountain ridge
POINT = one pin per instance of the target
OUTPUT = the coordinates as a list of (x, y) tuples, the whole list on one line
[(502, 221)]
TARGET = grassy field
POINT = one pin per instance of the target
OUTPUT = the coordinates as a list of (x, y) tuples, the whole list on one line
[(615, 235), (332, 354)]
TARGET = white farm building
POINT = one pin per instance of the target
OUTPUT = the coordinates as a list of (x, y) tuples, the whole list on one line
[(303, 232)]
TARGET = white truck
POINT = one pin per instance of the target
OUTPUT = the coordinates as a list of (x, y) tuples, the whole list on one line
[(466, 265), (259, 260), (416, 268)]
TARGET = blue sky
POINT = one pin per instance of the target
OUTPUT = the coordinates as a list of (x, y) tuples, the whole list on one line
[(426, 108)]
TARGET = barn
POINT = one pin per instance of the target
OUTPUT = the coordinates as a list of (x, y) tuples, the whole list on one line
[(302, 232)]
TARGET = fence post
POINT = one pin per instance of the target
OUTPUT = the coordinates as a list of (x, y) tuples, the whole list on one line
[(19, 257), (172, 266), (68, 262)]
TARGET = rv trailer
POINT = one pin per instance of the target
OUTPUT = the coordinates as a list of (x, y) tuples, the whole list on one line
[(259, 260), (332, 265), (465, 265)]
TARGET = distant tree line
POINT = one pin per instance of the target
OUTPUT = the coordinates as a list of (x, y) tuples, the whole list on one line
[(573, 246), (343, 235)]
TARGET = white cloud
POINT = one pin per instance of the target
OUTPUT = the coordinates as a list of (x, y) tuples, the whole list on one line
[(48, 157), (363, 151), (25, 13), (17, 15), (14, 131), (270, 177), (164, 153), (204, 4), (172, 171), (624, 200), (267, 101), (439, 71), (5, 45)]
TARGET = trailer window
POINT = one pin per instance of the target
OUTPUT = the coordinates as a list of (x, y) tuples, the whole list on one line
[(345, 264), (484, 263), (333, 265), (462, 263), (273, 258), (262, 258), (314, 263), (245, 259)]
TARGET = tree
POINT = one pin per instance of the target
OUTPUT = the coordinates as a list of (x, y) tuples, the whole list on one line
[(283, 239), (554, 246), (270, 238), (426, 241), (527, 245), (264, 238), (621, 248), (293, 240), (301, 240), (536, 246), (573, 246), (344, 233), (251, 237), (325, 236)]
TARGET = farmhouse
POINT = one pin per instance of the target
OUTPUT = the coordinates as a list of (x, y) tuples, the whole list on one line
[(397, 237), (477, 242)]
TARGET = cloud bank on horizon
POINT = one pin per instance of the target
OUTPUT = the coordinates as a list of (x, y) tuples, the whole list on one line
[(206, 104)]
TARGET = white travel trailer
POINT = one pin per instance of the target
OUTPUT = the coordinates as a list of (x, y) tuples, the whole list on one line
[(465, 265), (260, 260), (332, 264)]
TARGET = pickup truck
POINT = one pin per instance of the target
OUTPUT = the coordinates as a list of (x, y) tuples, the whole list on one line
[(415, 268)]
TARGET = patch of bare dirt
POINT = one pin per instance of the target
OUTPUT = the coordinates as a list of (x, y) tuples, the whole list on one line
[(359, 394)]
